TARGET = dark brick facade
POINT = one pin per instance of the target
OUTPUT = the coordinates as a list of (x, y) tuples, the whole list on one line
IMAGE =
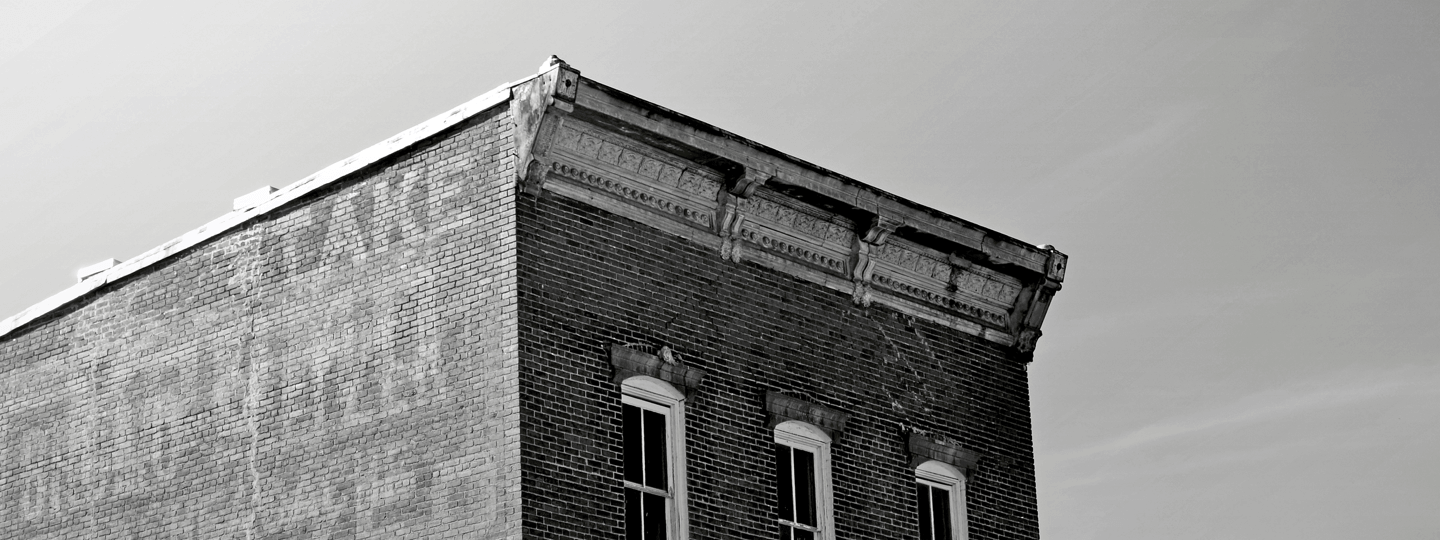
[(589, 279), (420, 347)]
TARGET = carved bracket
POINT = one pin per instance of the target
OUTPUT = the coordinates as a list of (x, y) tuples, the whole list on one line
[(1029, 313), (728, 219), (924, 449), (783, 408), (862, 266), (748, 181), (538, 108), (630, 362)]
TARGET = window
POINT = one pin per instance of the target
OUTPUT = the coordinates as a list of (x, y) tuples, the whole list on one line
[(940, 501), (654, 446), (802, 478)]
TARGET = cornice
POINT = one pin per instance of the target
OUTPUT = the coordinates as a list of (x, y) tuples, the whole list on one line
[(577, 138), (751, 203)]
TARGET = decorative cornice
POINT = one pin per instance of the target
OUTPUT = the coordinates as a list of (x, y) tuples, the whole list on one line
[(783, 408), (724, 192), (779, 231), (635, 195), (924, 449), (629, 362)]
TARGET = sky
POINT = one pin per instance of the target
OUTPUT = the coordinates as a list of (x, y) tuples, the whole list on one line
[(1247, 190)]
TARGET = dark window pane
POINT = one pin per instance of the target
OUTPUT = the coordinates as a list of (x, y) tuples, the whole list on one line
[(655, 450), (654, 517), (802, 534), (922, 503), (632, 515), (785, 533), (940, 499), (805, 488), (634, 456), (784, 481)]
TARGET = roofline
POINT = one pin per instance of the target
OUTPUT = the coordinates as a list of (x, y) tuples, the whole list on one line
[(747, 163), (278, 198), (761, 164)]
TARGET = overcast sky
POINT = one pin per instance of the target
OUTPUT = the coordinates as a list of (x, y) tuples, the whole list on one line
[(1245, 346)]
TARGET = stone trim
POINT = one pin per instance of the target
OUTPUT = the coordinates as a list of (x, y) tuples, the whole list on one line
[(634, 115), (630, 362), (924, 449), (783, 408)]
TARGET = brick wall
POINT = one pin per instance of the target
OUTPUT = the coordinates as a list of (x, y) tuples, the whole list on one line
[(589, 278), (341, 368)]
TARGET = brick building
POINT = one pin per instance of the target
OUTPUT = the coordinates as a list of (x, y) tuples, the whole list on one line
[(556, 311)]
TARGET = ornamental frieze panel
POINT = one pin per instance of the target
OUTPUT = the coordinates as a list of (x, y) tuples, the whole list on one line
[(823, 229), (908, 258), (952, 302), (808, 235), (927, 275), (793, 248), (614, 154), (926, 263), (634, 193)]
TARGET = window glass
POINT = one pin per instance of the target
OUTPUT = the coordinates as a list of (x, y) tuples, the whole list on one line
[(939, 501), (645, 466), (654, 433), (933, 505), (802, 482), (652, 424)]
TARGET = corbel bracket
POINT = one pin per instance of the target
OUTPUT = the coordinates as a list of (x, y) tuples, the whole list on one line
[(728, 220), (538, 107), (728, 216), (862, 266), (1034, 301), (783, 408), (749, 180), (924, 449)]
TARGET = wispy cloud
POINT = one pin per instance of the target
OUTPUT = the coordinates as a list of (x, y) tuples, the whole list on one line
[(1340, 389)]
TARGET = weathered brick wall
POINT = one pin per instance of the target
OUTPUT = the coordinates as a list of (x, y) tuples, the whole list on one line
[(589, 278), (341, 368)]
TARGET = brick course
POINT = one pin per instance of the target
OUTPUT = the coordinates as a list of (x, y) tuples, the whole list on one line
[(589, 279), (343, 368)]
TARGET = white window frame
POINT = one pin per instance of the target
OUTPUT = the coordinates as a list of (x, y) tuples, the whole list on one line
[(945, 476), (651, 394), (803, 436)]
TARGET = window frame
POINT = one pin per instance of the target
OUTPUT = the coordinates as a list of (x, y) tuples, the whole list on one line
[(649, 393), (941, 475), (807, 437)]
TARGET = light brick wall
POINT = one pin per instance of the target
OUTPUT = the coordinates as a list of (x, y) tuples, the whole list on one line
[(341, 368)]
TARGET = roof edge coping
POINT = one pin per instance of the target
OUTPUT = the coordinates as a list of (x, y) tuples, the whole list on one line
[(251, 207)]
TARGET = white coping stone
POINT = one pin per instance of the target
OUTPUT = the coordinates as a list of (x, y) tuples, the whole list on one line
[(96, 268), (254, 198)]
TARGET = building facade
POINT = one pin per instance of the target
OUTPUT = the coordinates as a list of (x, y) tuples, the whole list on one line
[(556, 311)]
